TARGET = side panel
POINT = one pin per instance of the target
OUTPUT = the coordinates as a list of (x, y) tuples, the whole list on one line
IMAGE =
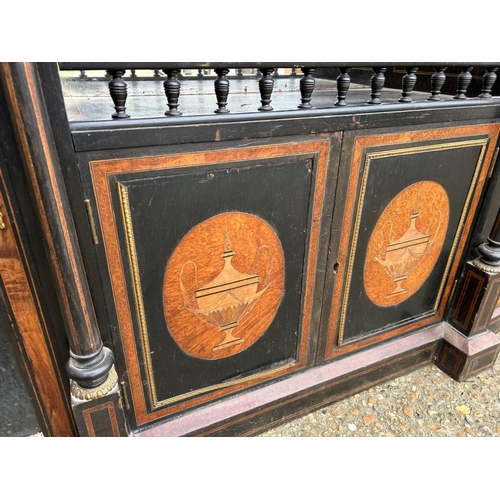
[(28, 320)]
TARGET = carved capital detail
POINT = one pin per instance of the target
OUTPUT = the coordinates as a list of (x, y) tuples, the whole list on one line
[(489, 259), (89, 394), (485, 267)]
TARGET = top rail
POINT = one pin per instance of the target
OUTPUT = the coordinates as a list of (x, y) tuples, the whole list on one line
[(71, 66)]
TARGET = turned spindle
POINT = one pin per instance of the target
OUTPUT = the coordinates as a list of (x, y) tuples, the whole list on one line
[(306, 88), (221, 86), (437, 81), (172, 90), (377, 84), (463, 80), (409, 81), (266, 85), (118, 92), (489, 78), (343, 83)]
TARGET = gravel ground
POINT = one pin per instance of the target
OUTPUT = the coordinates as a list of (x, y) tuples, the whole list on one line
[(426, 402)]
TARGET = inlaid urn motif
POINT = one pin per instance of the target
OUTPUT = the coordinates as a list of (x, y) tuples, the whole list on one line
[(406, 243), (401, 256), (228, 298), (223, 285)]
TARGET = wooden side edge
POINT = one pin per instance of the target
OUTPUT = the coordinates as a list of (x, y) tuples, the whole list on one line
[(48, 390)]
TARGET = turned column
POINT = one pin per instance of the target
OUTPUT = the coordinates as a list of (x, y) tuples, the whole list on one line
[(343, 84), (90, 365), (437, 81), (463, 80), (118, 92), (489, 79), (377, 84), (172, 88), (221, 86), (409, 81), (306, 88), (266, 85)]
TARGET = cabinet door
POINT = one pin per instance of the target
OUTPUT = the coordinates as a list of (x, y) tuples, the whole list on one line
[(410, 200), (212, 258)]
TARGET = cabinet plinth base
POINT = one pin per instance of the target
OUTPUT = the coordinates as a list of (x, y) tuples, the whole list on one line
[(462, 357)]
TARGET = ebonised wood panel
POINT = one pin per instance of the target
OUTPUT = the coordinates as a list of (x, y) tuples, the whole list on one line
[(182, 229), (410, 203)]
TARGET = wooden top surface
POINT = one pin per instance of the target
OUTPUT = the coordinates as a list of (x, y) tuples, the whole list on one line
[(89, 100)]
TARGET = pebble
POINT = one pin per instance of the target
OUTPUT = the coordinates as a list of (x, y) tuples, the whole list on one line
[(407, 411), (463, 409), (434, 427), (426, 402)]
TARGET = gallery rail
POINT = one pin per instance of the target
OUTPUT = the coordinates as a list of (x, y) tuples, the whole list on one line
[(407, 73)]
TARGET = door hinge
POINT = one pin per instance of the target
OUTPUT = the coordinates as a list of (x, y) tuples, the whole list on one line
[(93, 229)]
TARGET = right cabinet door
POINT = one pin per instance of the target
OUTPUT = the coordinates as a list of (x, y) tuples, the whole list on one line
[(404, 210)]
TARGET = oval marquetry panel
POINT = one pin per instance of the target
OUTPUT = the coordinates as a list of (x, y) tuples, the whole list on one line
[(223, 285), (406, 243)]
